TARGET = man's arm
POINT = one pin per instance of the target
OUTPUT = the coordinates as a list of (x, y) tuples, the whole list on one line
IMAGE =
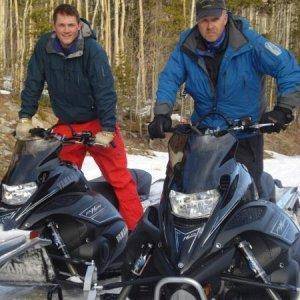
[(103, 90), (34, 84), (170, 79), (279, 63)]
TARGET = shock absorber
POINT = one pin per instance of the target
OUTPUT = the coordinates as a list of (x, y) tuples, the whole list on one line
[(142, 260), (138, 268), (63, 248), (255, 266)]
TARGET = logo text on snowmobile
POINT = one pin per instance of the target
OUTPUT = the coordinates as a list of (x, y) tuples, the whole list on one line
[(122, 234), (92, 211)]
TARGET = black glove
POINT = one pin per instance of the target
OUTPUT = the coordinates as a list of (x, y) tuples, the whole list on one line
[(159, 125), (280, 116)]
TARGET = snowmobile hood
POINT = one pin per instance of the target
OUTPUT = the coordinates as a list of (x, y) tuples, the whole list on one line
[(29, 157), (207, 159)]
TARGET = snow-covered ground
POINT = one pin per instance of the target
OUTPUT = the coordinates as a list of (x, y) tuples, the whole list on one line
[(282, 167)]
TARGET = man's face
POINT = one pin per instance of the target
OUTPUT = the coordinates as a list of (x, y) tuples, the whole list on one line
[(66, 29), (211, 28)]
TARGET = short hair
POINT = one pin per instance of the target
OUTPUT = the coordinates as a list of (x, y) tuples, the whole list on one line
[(67, 10)]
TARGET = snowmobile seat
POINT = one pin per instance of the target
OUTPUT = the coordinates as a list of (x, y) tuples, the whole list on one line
[(142, 178)]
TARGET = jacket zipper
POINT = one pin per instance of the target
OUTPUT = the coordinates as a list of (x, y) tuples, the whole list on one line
[(214, 108)]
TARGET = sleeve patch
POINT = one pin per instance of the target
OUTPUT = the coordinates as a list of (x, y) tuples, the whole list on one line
[(273, 48)]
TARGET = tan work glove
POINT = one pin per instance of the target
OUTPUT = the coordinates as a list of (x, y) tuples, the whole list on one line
[(104, 138), (22, 129)]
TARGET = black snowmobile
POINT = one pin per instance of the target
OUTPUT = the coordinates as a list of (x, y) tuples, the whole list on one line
[(42, 193), (212, 228)]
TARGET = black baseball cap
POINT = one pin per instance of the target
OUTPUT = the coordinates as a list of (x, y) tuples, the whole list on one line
[(209, 8)]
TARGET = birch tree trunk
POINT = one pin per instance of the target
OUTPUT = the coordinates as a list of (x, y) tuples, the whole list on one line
[(23, 44), (79, 7), (116, 32), (51, 10), (95, 13), (11, 37), (184, 11), (107, 28), (87, 9), (122, 28), (142, 66), (17, 78), (101, 35), (193, 9), (31, 41), (2, 36)]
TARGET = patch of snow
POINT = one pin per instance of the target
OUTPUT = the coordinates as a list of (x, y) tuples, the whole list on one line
[(7, 83), (176, 117), (155, 165), (282, 167), (4, 92)]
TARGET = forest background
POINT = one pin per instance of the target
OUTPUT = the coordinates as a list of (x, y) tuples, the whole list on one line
[(138, 36)]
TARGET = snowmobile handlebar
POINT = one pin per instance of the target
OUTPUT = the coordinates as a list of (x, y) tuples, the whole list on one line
[(86, 137), (185, 128), (239, 127)]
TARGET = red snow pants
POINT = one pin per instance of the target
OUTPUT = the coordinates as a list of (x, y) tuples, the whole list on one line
[(112, 163)]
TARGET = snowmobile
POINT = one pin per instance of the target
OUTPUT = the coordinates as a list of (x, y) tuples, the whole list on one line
[(51, 197), (212, 230)]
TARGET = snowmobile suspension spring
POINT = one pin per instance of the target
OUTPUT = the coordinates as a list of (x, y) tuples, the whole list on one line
[(255, 266), (62, 246)]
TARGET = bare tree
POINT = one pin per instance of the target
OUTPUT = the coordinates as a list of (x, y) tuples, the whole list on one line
[(79, 7), (192, 19), (87, 9), (116, 32), (17, 48), (2, 35), (95, 13), (107, 40), (23, 40), (142, 65), (11, 36), (122, 28)]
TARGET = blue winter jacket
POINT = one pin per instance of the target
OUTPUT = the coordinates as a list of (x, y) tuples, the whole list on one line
[(239, 90)]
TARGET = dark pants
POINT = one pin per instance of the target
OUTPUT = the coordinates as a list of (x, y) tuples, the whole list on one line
[(250, 153)]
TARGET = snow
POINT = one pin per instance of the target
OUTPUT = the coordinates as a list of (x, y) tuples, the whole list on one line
[(3, 92), (282, 167)]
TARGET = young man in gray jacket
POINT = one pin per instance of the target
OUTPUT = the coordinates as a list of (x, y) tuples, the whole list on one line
[(83, 97)]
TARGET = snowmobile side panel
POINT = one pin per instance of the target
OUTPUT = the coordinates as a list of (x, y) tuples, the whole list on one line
[(261, 216), (90, 207)]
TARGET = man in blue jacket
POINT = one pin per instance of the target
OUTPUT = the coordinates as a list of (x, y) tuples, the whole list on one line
[(222, 62), (83, 97)]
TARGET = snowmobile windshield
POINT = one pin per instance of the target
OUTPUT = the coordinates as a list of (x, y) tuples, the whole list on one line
[(207, 158), (28, 156)]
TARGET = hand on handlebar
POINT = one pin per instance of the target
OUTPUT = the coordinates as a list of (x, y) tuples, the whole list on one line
[(104, 138), (159, 125), (280, 116)]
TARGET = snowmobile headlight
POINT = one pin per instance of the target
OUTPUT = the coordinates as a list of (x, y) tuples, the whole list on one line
[(17, 194), (194, 206)]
